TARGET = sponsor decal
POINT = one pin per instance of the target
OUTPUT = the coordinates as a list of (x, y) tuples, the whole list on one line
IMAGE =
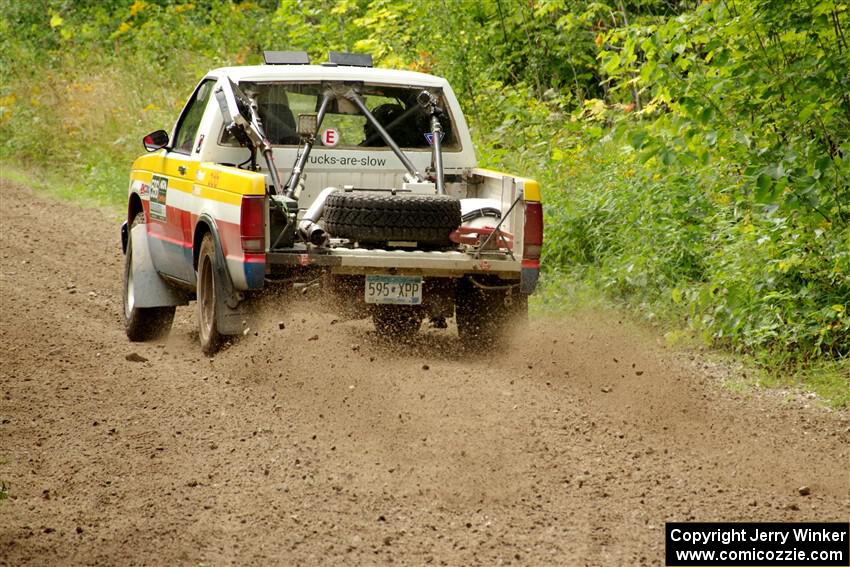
[(144, 191), (330, 137), (366, 161), (158, 193), (429, 137)]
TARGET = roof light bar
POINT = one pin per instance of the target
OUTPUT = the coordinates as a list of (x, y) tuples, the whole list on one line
[(286, 58), (350, 59)]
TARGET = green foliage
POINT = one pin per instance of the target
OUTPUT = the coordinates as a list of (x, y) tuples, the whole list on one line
[(749, 101), (694, 155)]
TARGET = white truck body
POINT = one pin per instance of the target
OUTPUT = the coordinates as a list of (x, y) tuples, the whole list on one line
[(196, 183)]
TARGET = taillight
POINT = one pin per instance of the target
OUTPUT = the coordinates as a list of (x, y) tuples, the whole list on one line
[(532, 241), (252, 223)]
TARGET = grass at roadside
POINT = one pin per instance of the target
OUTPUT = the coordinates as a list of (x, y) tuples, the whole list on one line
[(104, 189)]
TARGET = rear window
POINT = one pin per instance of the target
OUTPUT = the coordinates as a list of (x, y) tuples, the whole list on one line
[(395, 108)]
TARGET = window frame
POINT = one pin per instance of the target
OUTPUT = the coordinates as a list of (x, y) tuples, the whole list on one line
[(185, 113), (455, 148)]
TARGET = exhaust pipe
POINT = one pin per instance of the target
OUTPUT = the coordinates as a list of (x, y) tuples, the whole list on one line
[(308, 226)]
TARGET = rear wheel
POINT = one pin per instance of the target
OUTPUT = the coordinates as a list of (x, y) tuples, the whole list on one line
[(397, 322), (484, 311), (208, 333), (141, 323)]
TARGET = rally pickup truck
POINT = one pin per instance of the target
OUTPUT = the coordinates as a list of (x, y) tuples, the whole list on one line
[(357, 180)]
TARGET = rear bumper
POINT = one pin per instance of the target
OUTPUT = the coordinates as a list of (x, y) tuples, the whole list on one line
[(414, 262)]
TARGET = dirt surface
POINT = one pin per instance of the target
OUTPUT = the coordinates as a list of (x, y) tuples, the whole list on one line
[(571, 447)]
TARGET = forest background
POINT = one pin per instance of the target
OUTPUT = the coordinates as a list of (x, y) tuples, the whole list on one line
[(694, 155)]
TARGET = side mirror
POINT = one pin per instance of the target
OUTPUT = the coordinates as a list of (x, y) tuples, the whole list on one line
[(308, 125), (155, 140)]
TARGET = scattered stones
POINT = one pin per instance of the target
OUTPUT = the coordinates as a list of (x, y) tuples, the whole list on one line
[(314, 338), (135, 357), (606, 389), (281, 325), (804, 490), (425, 367), (639, 372)]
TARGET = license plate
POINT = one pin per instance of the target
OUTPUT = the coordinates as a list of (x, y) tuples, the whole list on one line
[(395, 290)]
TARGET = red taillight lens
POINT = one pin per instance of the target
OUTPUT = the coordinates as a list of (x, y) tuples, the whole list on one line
[(532, 241), (252, 227)]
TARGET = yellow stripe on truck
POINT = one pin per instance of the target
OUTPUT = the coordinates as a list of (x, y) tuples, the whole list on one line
[(220, 183), (231, 179), (530, 187), (218, 195)]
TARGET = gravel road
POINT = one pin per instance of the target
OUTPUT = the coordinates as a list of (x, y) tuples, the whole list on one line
[(572, 446)]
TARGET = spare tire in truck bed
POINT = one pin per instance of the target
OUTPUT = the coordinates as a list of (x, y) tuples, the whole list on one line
[(383, 217)]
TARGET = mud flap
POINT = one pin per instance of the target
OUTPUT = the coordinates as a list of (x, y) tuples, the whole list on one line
[(230, 316), (149, 289), (528, 279)]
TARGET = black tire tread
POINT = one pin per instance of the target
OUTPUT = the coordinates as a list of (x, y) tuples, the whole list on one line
[(144, 323), (371, 218), (483, 315)]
